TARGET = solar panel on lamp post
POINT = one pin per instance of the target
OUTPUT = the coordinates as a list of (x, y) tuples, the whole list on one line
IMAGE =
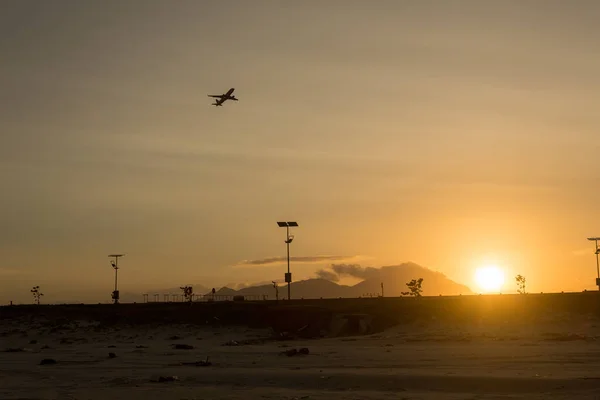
[(115, 265), (597, 251), (288, 240)]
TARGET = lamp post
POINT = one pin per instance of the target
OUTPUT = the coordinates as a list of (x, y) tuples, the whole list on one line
[(288, 240), (597, 251), (115, 265)]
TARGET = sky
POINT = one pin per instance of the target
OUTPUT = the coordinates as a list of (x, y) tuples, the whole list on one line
[(453, 134)]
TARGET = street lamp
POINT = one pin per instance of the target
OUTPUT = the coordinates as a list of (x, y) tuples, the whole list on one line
[(288, 240), (115, 265), (597, 251)]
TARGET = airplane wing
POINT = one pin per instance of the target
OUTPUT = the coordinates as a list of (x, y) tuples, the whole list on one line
[(223, 97)]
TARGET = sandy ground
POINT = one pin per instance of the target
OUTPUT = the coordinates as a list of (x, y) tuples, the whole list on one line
[(414, 362)]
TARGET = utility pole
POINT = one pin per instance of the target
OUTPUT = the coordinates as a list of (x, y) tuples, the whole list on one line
[(597, 252), (288, 240), (115, 265)]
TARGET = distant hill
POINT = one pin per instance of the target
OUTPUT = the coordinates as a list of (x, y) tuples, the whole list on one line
[(311, 288), (394, 279)]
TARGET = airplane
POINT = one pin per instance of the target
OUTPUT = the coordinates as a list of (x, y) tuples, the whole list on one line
[(223, 97)]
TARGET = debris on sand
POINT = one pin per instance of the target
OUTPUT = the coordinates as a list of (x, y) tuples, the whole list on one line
[(172, 378), (289, 353), (70, 340), (183, 346), (14, 350), (112, 355), (48, 361), (295, 352), (284, 336), (201, 363), (245, 342)]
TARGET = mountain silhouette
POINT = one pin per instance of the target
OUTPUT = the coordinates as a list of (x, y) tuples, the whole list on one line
[(394, 279), (307, 289)]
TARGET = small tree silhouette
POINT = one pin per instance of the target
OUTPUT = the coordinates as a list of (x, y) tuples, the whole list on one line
[(188, 293), (36, 294), (415, 287), (520, 283)]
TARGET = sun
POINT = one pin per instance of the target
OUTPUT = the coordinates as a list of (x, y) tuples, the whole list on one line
[(489, 278)]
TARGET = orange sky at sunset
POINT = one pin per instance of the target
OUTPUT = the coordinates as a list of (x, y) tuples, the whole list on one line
[(453, 134)]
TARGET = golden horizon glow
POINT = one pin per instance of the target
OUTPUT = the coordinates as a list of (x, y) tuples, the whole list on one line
[(489, 278), (487, 138)]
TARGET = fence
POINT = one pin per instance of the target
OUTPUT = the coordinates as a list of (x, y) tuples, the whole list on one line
[(179, 298)]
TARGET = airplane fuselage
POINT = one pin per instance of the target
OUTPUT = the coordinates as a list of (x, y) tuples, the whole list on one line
[(223, 97)]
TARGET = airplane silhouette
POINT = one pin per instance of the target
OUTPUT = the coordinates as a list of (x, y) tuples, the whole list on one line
[(223, 97)]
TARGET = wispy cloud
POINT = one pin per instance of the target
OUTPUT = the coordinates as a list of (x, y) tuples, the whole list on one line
[(352, 270), (328, 275), (239, 286), (304, 259), (336, 271)]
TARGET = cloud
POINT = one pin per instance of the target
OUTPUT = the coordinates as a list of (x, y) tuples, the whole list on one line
[(336, 271), (327, 275), (355, 270), (244, 285), (306, 260)]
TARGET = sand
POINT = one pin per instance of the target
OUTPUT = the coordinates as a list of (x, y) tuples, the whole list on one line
[(418, 361)]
